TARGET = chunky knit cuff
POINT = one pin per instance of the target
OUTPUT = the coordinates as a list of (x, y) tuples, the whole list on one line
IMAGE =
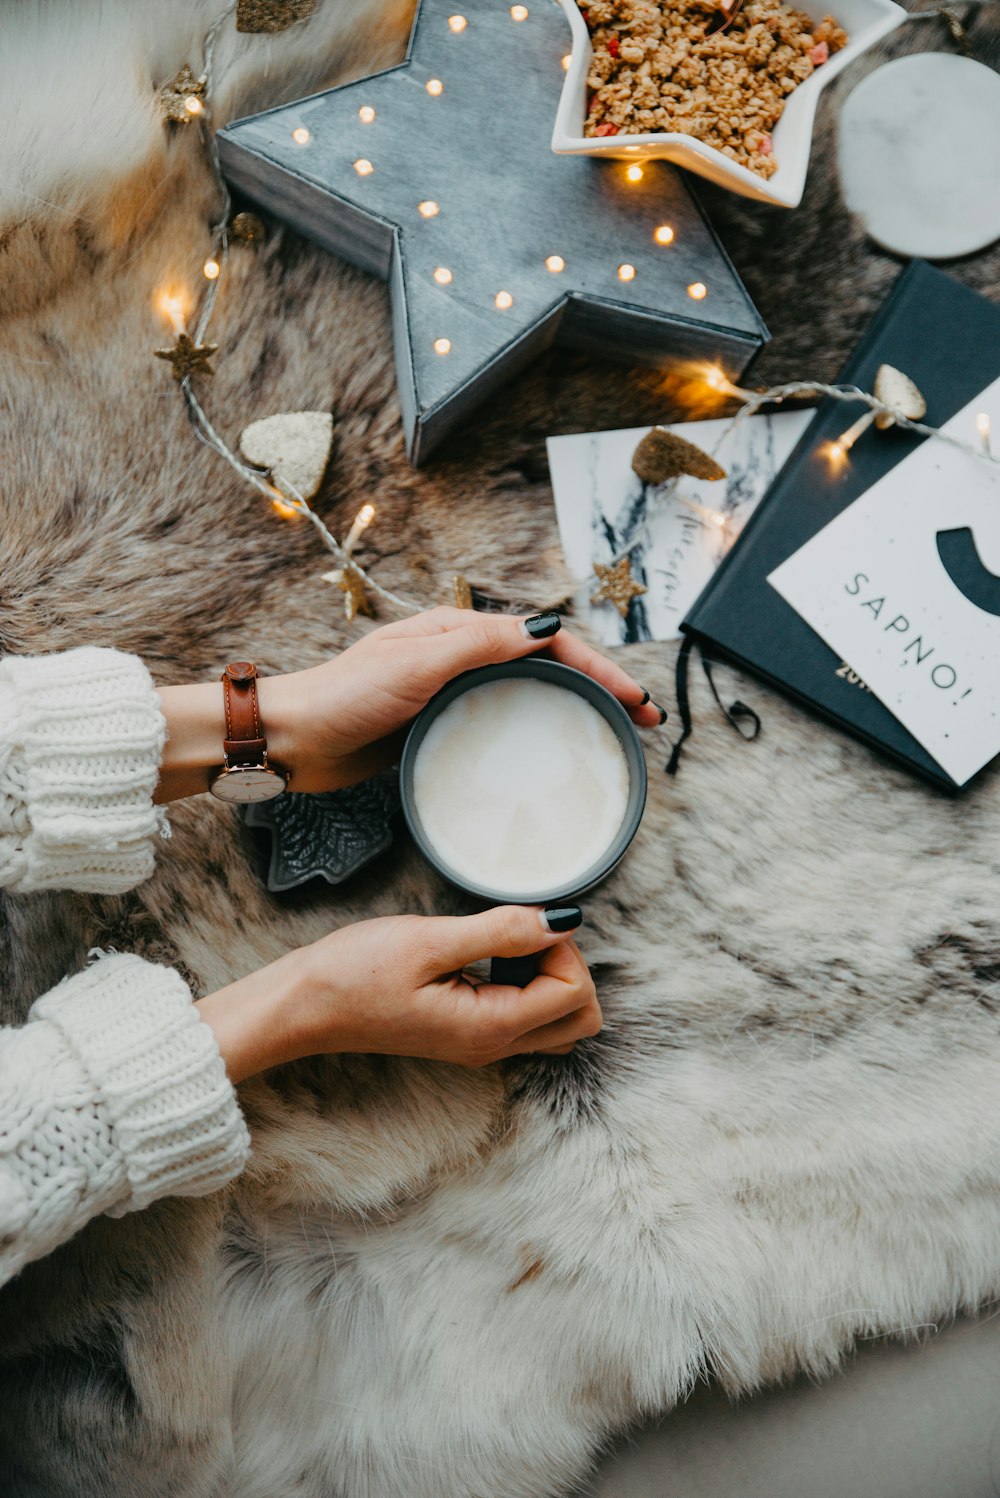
[(156, 1068), (81, 734)]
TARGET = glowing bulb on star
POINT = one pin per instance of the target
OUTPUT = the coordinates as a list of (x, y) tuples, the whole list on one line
[(697, 291), (555, 263), (664, 234), (626, 272), (366, 114), (519, 12), (442, 345), (301, 136), (428, 208), (443, 276), (634, 173), (457, 23), (193, 104), (363, 167), (211, 270), (984, 427), (566, 61), (503, 300), (434, 87)]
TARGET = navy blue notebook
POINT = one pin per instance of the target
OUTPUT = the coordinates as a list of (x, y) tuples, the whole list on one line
[(947, 339)]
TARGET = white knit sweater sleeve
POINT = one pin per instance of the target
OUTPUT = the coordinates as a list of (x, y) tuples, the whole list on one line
[(81, 735), (112, 1094)]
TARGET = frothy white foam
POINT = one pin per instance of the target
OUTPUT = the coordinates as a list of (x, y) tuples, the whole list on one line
[(521, 785)]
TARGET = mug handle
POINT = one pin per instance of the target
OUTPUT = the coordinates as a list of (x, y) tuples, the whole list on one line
[(516, 971)]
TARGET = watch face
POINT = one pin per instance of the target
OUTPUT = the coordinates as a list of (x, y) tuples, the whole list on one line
[(256, 783)]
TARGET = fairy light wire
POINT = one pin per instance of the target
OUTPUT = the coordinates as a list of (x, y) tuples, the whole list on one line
[(203, 428), (752, 401)]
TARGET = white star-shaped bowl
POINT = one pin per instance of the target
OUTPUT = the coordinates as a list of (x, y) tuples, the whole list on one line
[(865, 21)]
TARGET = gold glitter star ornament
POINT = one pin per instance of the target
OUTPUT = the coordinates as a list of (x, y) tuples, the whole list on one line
[(463, 592), (187, 357), (618, 586), (356, 600), (174, 96)]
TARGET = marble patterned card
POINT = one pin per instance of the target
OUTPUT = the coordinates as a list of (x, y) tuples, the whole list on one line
[(905, 584), (600, 503)]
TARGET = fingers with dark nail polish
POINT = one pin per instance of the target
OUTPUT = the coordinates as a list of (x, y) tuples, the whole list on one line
[(542, 626), (561, 917)]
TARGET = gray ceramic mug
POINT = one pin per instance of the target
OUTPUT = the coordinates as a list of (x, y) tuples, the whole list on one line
[(520, 970)]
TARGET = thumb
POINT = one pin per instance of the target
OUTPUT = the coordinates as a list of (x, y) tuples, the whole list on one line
[(505, 931)]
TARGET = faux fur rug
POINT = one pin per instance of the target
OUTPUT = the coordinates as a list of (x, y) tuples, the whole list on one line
[(431, 1282)]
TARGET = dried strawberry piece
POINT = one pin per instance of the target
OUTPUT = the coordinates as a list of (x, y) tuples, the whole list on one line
[(606, 129), (614, 46), (766, 146), (819, 53)]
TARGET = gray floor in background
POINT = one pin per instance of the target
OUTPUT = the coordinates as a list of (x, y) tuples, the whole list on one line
[(899, 1422)]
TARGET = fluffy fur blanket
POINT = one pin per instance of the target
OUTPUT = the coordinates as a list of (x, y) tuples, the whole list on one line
[(430, 1282)]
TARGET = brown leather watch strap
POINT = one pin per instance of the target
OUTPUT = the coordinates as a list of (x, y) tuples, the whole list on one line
[(244, 743)]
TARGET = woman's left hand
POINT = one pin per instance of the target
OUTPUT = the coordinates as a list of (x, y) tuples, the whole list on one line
[(338, 723)]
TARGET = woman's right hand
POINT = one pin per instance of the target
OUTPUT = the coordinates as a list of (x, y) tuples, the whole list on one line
[(396, 985)]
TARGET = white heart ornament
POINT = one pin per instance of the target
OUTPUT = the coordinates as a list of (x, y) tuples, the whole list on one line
[(294, 445)]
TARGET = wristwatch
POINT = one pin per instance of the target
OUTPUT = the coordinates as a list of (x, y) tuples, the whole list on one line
[(246, 774)]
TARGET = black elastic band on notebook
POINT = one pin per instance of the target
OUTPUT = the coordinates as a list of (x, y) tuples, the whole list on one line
[(683, 703), (745, 721)]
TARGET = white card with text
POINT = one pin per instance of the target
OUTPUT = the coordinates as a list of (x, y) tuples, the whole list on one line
[(905, 585), (600, 503)]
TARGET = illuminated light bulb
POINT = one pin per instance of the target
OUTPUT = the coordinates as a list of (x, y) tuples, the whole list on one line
[(280, 505), (366, 114), (301, 136), (697, 290), (442, 345), (193, 104), (428, 208), (363, 167), (519, 12), (172, 307), (457, 23), (555, 263), (434, 87), (566, 61), (634, 173), (983, 427), (836, 453), (626, 272), (503, 300), (443, 276), (362, 521), (663, 234), (211, 270)]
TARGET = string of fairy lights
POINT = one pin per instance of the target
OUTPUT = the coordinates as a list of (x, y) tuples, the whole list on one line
[(190, 354), (834, 452), (188, 98)]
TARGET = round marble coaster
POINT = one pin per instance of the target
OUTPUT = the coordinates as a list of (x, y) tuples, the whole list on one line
[(919, 155)]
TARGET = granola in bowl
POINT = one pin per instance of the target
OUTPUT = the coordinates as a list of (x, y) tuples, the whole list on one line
[(654, 70)]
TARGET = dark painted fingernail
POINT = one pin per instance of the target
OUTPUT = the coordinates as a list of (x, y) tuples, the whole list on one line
[(561, 917), (662, 712), (542, 626), (645, 698)]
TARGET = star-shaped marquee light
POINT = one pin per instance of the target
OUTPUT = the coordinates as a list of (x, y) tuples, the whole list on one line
[(438, 176)]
